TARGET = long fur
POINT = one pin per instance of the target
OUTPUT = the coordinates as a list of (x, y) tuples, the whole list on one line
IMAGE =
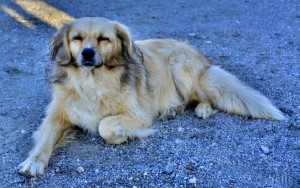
[(130, 84), (230, 95)]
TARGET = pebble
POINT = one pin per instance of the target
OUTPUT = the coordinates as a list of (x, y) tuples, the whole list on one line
[(23, 131), (80, 169), (180, 129), (263, 155), (57, 169), (169, 168), (178, 141), (214, 144), (208, 42), (193, 180), (192, 34), (130, 178), (265, 149)]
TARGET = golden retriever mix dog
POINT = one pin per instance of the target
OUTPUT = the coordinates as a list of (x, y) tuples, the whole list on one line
[(107, 84)]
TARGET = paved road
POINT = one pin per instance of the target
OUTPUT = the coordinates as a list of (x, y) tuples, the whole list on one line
[(257, 41)]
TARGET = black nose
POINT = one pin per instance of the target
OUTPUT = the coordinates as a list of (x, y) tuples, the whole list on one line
[(88, 53)]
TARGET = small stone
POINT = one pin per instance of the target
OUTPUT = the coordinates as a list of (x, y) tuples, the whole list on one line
[(145, 174), (97, 171), (193, 180), (134, 186), (192, 34), (214, 144), (208, 42), (263, 155), (130, 178), (180, 129), (80, 169), (190, 167), (57, 169), (178, 141), (169, 168), (265, 149), (23, 131)]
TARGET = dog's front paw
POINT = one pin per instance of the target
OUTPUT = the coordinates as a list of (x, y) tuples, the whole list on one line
[(32, 167), (111, 131), (111, 136)]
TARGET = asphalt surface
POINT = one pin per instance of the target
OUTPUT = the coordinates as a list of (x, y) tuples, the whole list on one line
[(257, 41)]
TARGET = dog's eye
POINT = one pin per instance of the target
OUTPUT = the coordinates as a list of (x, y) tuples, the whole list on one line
[(77, 38), (101, 38)]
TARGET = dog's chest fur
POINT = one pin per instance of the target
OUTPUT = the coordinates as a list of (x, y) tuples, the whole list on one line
[(92, 100)]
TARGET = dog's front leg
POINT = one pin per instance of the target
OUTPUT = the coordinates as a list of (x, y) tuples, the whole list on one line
[(117, 129), (51, 130)]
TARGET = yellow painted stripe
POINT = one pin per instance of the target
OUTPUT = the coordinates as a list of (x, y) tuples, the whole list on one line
[(18, 17), (44, 12)]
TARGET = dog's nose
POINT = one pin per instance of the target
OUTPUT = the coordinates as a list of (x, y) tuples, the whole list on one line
[(88, 53)]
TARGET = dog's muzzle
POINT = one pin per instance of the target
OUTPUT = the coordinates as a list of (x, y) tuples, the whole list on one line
[(90, 59)]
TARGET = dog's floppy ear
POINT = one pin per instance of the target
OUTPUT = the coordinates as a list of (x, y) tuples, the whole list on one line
[(124, 36), (60, 52)]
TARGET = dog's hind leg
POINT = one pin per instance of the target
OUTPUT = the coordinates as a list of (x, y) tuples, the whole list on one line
[(205, 110), (117, 129)]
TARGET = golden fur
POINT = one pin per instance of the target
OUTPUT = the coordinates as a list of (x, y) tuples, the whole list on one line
[(108, 84)]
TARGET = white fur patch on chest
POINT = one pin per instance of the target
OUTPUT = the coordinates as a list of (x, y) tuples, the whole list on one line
[(85, 114), (84, 110)]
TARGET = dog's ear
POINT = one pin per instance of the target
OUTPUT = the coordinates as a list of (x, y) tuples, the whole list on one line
[(60, 52), (125, 38)]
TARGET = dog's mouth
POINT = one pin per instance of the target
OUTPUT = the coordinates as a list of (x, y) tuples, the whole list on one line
[(88, 65)]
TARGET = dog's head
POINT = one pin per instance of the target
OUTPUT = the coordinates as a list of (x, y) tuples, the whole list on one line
[(89, 43)]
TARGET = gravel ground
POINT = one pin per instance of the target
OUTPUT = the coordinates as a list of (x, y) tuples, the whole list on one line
[(256, 40)]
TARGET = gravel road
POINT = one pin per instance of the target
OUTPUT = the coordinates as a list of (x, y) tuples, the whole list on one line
[(256, 40)]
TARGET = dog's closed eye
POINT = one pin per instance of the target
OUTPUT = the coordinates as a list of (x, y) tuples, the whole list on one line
[(101, 38), (77, 37)]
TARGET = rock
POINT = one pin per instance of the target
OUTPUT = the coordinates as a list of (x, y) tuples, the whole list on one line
[(265, 149), (192, 34), (180, 129), (23, 131), (202, 167), (190, 167), (193, 180), (178, 141), (169, 168), (263, 155), (80, 169)]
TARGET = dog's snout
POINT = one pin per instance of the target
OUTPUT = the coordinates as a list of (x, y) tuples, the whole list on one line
[(88, 53)]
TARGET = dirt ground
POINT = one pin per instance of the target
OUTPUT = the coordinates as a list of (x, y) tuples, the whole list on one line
[(258, 41)]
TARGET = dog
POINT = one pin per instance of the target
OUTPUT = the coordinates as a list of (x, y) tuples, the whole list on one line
[(105, 83)]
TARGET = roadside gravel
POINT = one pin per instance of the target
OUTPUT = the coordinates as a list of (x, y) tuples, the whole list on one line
[(257, 41)]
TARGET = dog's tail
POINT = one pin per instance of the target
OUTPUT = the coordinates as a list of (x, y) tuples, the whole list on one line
[(229, 94)]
